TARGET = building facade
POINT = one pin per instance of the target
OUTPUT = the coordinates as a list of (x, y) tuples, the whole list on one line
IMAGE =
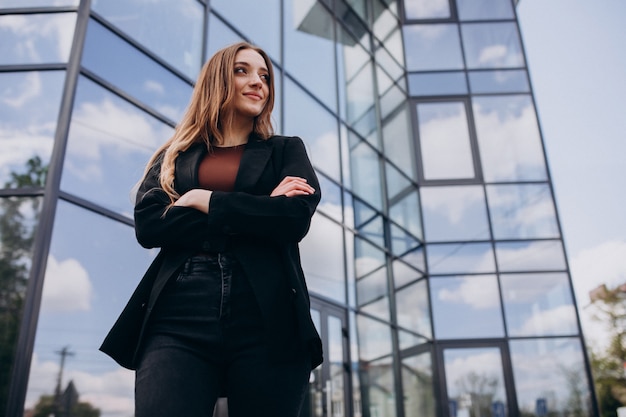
[(435, 262)]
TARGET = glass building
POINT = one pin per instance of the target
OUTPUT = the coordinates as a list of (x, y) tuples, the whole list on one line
[(435, 262)]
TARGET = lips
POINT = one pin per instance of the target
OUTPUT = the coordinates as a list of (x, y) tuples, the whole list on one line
[(253, 96)]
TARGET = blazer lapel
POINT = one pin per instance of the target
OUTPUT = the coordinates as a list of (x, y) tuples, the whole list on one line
[(187, 165), (253, 161)]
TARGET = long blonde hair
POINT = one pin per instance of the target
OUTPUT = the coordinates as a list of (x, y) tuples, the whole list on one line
[(209, 110)]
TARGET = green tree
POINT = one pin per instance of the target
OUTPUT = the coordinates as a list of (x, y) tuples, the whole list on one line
[(18, 218), (608, 365)]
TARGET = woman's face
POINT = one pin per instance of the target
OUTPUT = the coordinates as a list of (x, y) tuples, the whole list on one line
[(251, 85)]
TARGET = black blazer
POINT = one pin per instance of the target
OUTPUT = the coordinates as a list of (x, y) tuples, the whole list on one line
[(261, 231)]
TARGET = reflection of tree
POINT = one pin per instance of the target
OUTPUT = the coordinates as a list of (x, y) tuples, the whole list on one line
[(576, 383), (17, 219), (69, 406), (477, 392)]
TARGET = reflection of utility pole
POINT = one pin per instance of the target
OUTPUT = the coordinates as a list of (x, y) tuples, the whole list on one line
[(57, 392)]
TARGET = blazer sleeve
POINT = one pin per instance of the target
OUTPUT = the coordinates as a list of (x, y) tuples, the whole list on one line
[(280, 219), (158, 226)]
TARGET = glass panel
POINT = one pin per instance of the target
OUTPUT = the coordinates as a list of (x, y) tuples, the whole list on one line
[(134, 72), (396, 182), (377, 380), (484, 9), (373, 230), (546, 255), (550, 377), (432, 47), (18, 224), (331, 198), (309, 27), (36, 38), (407, 340), (389, 64), (492, 45), (322, 259), (522, 211), (415, 259), (314, 401), (427, 9), (38, 3), (437, 84), (372, 286), (403, 274), (413, 309), (508, 137), (266, 35), (417, 381), (83, 294), (454, 213), (460, 258), (392, 100), (505, 81), (538, 304), (109, 143), (336, 362), (374, 338), (475, 382), (219, 35), (317, 127), (466, 307), (363, 213), (406, 212), (172, 30), (397, 139), (365, 173), (378, 308), (401, 240), (368, 257), (28, 116), (445, 141), (384, 22)]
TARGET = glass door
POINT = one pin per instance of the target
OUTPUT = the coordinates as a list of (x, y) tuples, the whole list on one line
[(328, 394), (477, 380)]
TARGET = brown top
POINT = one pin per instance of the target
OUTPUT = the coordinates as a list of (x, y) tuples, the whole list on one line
[(219, 167)]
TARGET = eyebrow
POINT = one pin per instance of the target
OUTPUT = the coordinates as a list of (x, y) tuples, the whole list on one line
[(247, 65)]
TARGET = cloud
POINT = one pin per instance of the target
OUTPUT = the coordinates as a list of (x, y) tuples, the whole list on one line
[(492, 55), (66, 287), (558, 320)]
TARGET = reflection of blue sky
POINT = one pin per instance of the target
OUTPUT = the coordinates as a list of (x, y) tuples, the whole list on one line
[(29, 107), (433, 47), (460, 258), (134, 72), (172, 30), (109, 144), (88, 281), (36, 38), (492, 45)]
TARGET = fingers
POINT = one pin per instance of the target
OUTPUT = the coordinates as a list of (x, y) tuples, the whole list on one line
[(293, 186)]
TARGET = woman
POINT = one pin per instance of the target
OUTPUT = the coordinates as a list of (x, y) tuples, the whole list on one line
[(224, 308)]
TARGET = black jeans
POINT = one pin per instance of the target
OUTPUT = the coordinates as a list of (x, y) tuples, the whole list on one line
[(205, 340)]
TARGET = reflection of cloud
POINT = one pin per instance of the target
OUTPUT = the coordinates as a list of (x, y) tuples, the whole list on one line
[(29, 88), (323, 151), (558, 320), (106, 124), (508, 136), (29, 30), (427, 9), (492, 55), (476, 291), (452, 202), (66, 286), (153, 87), (111, 392), (531, 256), (485, 362)]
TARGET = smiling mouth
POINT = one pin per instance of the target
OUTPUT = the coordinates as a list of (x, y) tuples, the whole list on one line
[(254, 96)]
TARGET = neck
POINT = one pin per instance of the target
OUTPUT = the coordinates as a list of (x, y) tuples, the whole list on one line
[(236, 133)]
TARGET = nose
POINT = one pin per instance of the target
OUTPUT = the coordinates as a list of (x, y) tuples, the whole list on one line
[(256, 80)]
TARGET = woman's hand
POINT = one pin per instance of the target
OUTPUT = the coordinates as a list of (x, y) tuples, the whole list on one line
[(196, 198), (292, 186)]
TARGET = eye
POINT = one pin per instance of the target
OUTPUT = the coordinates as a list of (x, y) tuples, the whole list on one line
[(265, 77), (240, 70)]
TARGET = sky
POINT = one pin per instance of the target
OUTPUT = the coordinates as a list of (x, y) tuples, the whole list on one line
[(576, 56)]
